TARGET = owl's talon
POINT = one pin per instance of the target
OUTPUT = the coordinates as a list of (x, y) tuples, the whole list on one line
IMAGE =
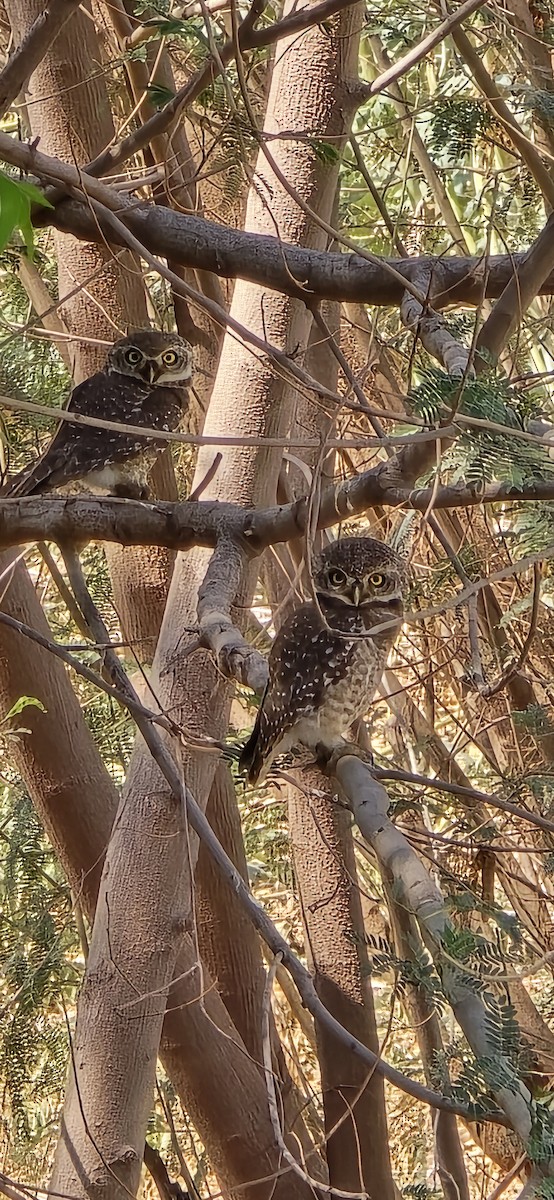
[(327, 759)]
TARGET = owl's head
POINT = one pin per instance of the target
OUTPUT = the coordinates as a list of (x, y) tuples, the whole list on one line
[(158, 359), (364, 573)]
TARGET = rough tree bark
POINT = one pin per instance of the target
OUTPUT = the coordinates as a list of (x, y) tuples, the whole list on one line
[(76, 801), (70, 113), (325, 869), (353, 1097), (156, 887)]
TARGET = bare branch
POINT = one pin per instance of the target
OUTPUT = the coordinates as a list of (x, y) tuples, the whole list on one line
[(33, 48), (466, 793), (519, 293), (325, 1188), (249, 38), (234, 254), (431, 331), (229, 253), (179, 526), (424, 47), (489, 88), (405, 873)]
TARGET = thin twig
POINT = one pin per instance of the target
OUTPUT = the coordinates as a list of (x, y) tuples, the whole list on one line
[(491, 689)]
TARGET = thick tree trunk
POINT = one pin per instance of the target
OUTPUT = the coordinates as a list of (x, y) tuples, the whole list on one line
[(69, 785), (227, 940), (73, 121), (353, 1097), (230, 948), (76, 801)]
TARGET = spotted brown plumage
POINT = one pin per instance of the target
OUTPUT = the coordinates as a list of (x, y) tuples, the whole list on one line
[(145, 383), (327, 658)]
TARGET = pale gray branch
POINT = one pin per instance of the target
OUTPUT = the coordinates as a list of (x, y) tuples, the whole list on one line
[(410, 881), (429, 327)]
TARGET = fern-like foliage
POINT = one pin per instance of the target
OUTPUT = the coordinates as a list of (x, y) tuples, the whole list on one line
[(30, 369), (416, 972), (456, 124), (481, 455), (38, 966)]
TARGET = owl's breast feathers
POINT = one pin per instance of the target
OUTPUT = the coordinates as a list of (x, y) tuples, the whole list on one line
[(79, 451), (322, 675)]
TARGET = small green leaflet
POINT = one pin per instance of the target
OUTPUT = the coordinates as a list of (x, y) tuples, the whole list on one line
[(159, 96), (16, 199), (21, 704), (325, 151), (175, 27)]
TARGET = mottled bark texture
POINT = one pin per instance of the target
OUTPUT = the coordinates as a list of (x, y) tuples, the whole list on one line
[(76, 801), (353, 1096), (69, 110)]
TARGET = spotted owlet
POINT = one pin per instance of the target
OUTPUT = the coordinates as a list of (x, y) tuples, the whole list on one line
[(327, 658), (144, 383)]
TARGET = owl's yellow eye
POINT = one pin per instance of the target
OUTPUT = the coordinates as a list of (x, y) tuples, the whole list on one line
[(170, 358), (377, 581), (336, 577), (133, 356)]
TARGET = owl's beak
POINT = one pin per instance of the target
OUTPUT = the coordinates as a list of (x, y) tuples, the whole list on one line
[(152, 372), (357, 593)]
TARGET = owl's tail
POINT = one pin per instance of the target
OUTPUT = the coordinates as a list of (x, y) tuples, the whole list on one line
[(29, 482), (251, 760)]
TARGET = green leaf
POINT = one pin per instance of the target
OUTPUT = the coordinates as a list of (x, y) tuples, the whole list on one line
[(326, 152), (159, 95), (16, 198), (166, 26), (21, 704)]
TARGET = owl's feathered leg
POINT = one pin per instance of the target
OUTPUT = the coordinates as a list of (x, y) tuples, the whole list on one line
[(129, 490), (328, 758)]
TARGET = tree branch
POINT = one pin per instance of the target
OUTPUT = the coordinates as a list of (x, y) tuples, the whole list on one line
[(31, 51), (408, 877), (234, 254), (181, 525), (518, 293), (431, 331)]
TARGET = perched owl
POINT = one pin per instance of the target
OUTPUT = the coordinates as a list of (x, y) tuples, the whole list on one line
[(325, 662), (144, 382)]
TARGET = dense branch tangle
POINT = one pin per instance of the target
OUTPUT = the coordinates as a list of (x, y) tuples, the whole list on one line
[(236, 529)]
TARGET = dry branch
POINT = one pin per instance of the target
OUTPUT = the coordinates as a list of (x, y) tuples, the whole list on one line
[(261, 258), (431, 331), (519, 292), (183, 524), (33, 48)]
